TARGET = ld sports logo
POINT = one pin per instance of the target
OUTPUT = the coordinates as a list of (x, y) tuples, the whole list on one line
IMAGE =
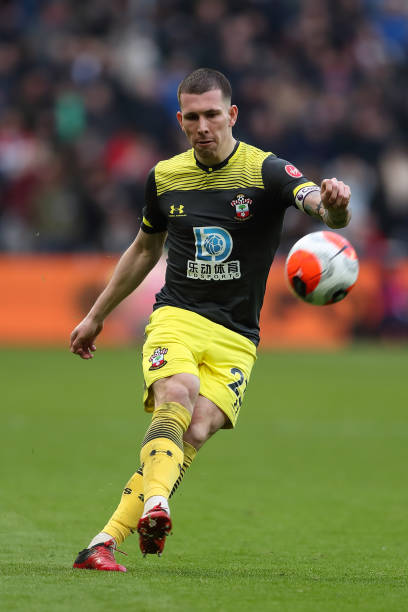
[(241, 204), (213, 247), (157, 359)]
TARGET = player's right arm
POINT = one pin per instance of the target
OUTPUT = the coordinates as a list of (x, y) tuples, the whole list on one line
[(329, 203), (134, 265)]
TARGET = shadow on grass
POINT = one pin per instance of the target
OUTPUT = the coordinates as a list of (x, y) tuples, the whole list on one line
[(206, 574), (45, 569), (233, 574)]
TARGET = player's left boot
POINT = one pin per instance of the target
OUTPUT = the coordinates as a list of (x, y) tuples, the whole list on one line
[(99, 557), (153, 528)]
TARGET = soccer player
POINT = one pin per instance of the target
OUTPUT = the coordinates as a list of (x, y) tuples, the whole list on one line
[(220, 206)]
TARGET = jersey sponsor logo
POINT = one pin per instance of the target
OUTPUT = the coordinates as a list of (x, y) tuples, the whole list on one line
[(212, 270), (241, 203), (177, 210), (213, 247), (157, 359), (212, 243), (293, 171)]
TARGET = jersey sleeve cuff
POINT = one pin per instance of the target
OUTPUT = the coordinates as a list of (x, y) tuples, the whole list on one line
[(147, 227)]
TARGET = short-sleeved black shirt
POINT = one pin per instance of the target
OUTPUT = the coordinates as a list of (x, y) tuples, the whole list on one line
[(224, 224)]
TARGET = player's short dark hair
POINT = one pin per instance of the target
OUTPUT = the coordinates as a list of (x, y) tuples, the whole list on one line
[(205, 79)]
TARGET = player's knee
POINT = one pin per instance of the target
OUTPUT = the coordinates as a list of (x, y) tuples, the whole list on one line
[(177, 389), (179, 393)]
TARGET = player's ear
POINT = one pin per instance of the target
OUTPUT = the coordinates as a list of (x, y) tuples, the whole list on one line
[(233, 115), (180, 119)]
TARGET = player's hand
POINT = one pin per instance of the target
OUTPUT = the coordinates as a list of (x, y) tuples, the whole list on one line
[(83, 338), (335, 196)]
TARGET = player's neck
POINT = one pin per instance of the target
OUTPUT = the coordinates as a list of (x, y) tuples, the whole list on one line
[(221, 155)]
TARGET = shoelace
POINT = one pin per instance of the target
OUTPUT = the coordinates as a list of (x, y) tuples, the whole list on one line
[(113, 547)]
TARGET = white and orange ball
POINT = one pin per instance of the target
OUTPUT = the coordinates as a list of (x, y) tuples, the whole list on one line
[(322, 268)]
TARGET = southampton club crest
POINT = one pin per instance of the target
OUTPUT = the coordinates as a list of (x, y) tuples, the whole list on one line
[(157, 359), (241, 203)]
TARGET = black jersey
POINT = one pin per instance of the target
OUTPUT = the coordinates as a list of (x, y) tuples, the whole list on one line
[(224, 225)]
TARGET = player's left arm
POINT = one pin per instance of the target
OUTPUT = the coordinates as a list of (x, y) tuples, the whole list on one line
[(331, 205)]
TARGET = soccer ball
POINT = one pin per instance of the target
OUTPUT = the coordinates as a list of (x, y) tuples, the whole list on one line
[(321, 268), (214, 244)]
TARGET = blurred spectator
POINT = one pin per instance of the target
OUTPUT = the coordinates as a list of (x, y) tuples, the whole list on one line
[(393, 193), (88, 102), (362, 179)]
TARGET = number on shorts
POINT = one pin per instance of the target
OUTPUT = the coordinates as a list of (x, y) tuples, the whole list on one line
[(237, 388)]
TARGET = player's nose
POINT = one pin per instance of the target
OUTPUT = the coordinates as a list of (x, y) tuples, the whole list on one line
[(202, 125)]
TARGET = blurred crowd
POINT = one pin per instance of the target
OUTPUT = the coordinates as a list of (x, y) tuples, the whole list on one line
[(88, 102)]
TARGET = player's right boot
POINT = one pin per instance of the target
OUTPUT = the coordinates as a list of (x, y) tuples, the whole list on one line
[(99, 557), (153, 529)]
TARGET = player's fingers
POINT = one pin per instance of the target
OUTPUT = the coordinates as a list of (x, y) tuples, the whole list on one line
[(74, 347), (76, 344), (84, 353), (78, 337), (340, 194), (334, 191), (325, 187), (89, 348), (343, 196), (78, 341), (325, 191), (329, 193), (81, 348), (73, 337)]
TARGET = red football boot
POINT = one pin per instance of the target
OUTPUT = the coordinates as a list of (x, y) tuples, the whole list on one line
[(99, 557), (153, 529)]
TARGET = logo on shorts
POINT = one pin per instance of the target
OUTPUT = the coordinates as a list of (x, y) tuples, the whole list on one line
[(157, 359), (241, 204), (293, 171)]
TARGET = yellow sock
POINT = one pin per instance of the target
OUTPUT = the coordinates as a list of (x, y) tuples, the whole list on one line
[(124, 520), (162, 452)]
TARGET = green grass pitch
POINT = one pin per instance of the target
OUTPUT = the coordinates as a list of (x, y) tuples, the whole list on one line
[(302, 508)]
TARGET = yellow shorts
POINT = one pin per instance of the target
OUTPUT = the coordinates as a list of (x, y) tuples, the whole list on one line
[(179, 341)]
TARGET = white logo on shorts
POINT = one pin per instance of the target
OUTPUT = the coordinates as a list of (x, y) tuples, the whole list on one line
[(157, 359)]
